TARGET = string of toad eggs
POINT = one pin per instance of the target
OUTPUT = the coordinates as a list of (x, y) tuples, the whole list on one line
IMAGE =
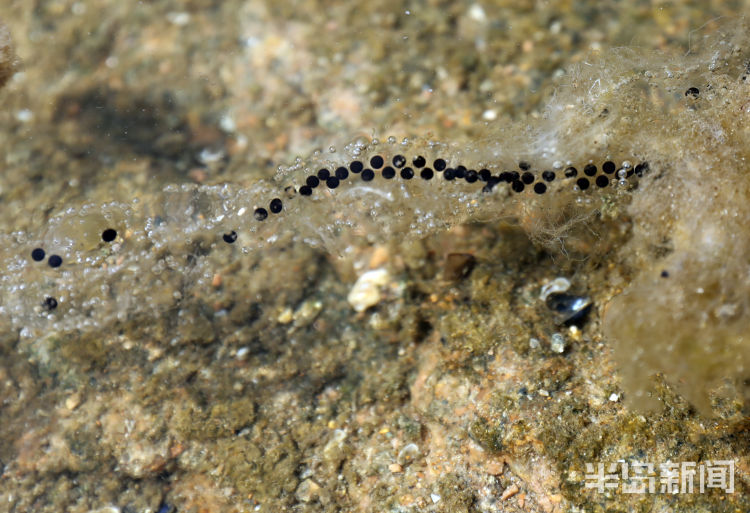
[(518, 180)]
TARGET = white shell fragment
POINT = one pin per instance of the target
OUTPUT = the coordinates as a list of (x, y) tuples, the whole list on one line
[(556, 286), (366, 292)]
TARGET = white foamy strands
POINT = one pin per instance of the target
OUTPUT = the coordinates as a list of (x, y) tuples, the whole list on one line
[(169, 246)]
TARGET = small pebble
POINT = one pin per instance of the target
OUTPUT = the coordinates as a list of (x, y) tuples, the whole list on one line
[(557, 343), (307, 491), (286, 316), (366, 291), (106, 509), (72, 402), (509, 492), (395, 468), (307, 312), (178, 18), (24, 115)]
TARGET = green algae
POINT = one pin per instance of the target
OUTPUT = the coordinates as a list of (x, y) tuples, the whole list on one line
[(455, 494), (572, 441), (489, 436), (223, 419)]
